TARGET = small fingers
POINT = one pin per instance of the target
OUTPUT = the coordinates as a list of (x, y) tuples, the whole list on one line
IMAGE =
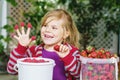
[(66, 48), (29, 28), (16, 28), (63, 48), (18, 32), (22, 30), (28, 31), (16, 37), (32, 39)]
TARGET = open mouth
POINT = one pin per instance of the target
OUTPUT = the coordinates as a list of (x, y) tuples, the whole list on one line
[(48, 36)]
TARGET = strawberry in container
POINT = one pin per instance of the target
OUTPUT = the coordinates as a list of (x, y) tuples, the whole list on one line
[(33, 60), (98, 64)]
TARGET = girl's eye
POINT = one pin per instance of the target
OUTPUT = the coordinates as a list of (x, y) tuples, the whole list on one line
[(53, 27), (45, 25)]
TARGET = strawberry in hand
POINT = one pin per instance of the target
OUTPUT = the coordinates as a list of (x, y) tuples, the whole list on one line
[(56, 47), (61, 50)]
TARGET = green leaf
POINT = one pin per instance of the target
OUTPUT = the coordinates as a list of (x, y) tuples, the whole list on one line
[(13, 2)]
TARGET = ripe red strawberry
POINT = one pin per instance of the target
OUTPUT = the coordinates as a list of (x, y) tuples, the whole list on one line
[(22, 24), (102, 50), (89, 56), (107, 54), (29, 25), (90, 49), (103, 56), (99, 67), (89, 73), (99, 53), (112, 68), (83, 53), (57, 47), (96, 77), (94, 54)]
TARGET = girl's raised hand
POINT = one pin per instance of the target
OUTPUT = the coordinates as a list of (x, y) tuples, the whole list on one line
[(62, 50), (23, 37)]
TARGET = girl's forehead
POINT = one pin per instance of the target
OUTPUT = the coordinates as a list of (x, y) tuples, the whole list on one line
[(54, 20)]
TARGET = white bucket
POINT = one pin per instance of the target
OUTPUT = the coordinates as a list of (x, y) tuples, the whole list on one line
[(35, 71)]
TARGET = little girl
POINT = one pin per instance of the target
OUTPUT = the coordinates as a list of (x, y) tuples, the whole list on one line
[(57, 28)]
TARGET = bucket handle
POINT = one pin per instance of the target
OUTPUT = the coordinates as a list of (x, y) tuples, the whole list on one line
[(15, 67)]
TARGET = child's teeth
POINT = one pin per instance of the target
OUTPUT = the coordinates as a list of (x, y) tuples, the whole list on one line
[(48, 36)]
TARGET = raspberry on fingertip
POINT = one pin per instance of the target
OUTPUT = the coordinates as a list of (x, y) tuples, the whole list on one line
[(29, 25), (16, 27), (33, 38), (22, 24)]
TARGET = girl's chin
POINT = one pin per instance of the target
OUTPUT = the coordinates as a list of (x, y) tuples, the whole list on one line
[(51, 42), (48, 43)]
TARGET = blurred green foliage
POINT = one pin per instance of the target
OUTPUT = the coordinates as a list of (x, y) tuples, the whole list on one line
[(86, 14), (89, 12)]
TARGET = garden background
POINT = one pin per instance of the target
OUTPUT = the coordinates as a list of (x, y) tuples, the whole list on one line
[(98, 21)]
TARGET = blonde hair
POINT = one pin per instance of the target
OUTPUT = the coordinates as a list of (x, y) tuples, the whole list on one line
[(68, 23)]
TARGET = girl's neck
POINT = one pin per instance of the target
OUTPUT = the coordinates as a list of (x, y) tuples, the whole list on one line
[(49, 47)]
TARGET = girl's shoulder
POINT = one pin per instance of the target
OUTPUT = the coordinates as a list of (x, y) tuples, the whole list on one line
[(71, 47)]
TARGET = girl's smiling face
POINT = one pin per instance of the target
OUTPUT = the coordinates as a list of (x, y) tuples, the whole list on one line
[(53, 32)]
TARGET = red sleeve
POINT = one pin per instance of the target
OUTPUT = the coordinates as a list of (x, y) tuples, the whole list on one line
[(72, 63), (21, 49), (17, 53), (69, 58)]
